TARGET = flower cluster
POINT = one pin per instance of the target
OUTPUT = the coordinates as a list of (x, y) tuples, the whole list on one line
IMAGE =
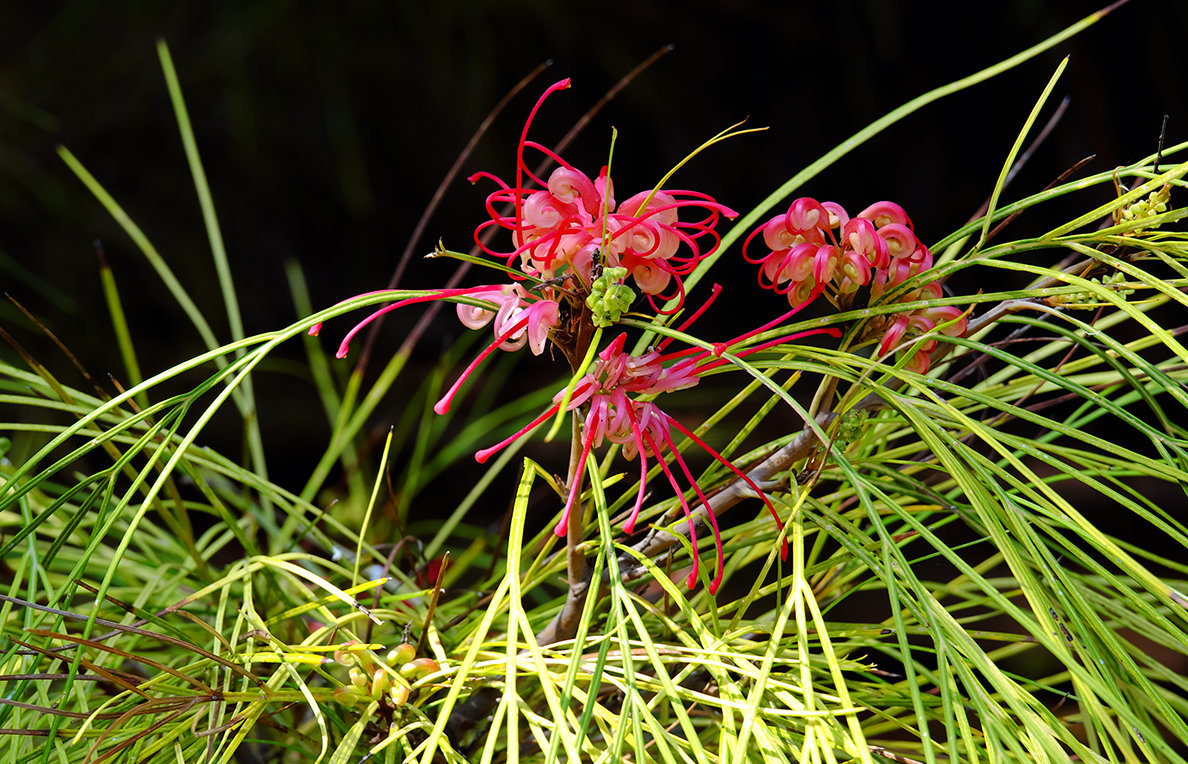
[(610, 395), (388, 681), (573, 241), (578, 259), (816, 248), (570, 226)]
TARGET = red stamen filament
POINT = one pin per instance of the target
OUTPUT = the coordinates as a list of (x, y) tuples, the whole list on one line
[(344, 346), (742, 475), (443, 405), (485, 454), (575, 486), (692, 579), (629, 526), (717, 290), (722, 347), (713, 587)]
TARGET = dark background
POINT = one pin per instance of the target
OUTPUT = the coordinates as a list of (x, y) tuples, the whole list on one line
[(324, 129)]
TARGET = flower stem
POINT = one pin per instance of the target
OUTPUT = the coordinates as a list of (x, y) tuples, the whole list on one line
[(575, 560), (564, 625)]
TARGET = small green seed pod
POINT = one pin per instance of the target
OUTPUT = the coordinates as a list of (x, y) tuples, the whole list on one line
[(421, 667), (398, 693), (379, 684), (402, 654)]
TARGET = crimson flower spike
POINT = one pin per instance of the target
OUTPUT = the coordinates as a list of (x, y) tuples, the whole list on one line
[(561, 226)]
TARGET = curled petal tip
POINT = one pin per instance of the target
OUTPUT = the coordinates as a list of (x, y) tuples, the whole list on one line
[(342, 353), (629, 526), (443, 407), (561, 529), (313, 330), (713, 587)]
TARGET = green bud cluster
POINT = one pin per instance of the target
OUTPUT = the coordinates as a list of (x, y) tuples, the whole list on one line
[(388, 680), (850, 428), (1154, 204), (609, 297), (1115, 282)]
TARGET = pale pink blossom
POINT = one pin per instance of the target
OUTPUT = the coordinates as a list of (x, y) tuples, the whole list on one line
[(816, 248), (558, 226)]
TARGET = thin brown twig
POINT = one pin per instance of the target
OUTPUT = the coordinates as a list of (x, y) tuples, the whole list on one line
[(463, 268), (770, 474), (1021, 160), (117, 628), (423, 639), (205, 689), (435, 201)]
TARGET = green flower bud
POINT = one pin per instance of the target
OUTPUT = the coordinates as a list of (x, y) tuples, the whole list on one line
[(1154, 204), (347, 696), (421, 667), (401, 654), (398, 693), (379, 683), (609, 297), (346, 657)]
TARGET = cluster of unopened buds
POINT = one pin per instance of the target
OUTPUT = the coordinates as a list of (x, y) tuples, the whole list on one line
[(388, 681), (1118, 283), (578, 258), (1142, 210)]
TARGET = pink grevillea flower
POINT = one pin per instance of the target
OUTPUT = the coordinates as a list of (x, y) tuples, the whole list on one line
[(817, 248), (520, 317), (615, 415), (908, 325), (610, 395), (561, 226), (911, 324)]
